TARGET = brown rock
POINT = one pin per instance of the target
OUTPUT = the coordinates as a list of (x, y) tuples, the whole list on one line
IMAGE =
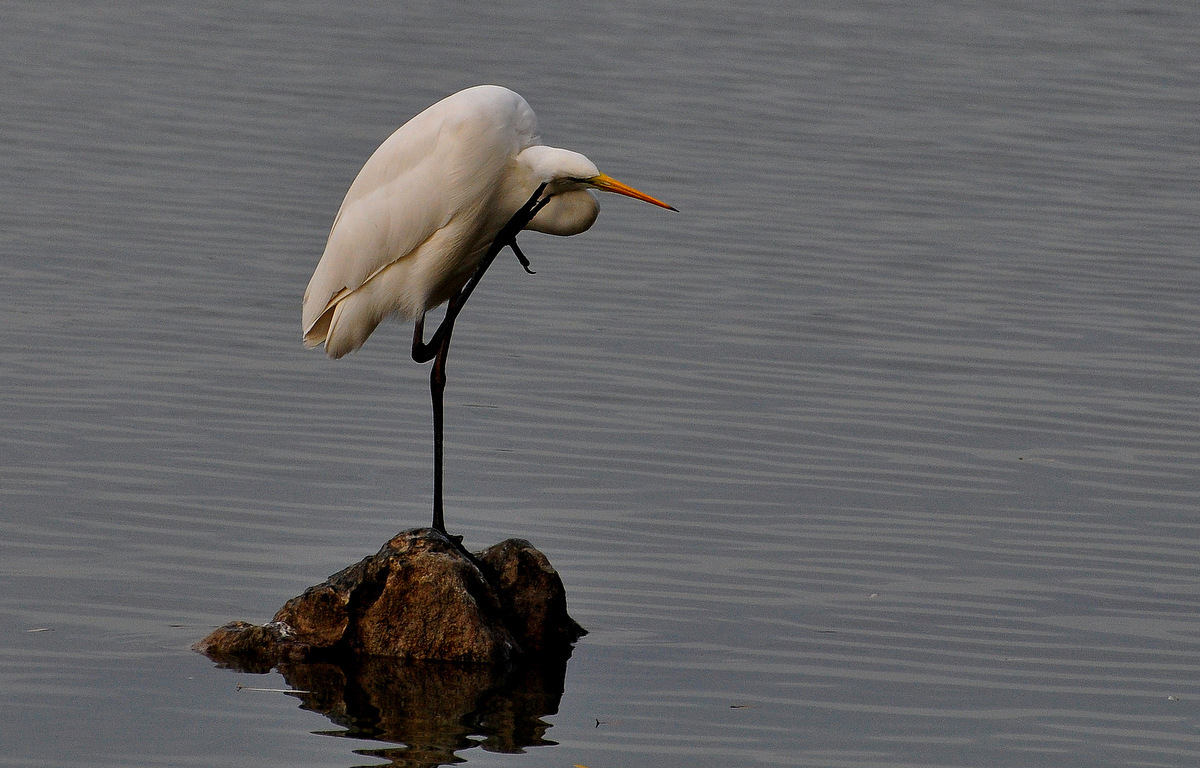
[(420, 598), (531, 594)]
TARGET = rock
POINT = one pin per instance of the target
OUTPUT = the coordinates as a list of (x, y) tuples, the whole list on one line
[(420, 598), (531, 595)]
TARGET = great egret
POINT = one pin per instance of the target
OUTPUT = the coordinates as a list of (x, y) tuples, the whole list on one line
[(429, 212)]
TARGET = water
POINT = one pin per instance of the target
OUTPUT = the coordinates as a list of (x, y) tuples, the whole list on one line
[(880, 453)]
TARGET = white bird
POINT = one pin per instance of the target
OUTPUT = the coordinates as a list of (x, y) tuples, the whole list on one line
[(429, 212)]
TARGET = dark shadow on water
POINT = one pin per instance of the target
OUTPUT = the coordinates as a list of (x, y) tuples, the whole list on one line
[(431, 711)]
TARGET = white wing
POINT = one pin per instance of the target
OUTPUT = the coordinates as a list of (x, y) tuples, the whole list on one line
[(415, 217)]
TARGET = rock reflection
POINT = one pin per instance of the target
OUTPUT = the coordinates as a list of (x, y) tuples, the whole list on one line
[(432, 710)]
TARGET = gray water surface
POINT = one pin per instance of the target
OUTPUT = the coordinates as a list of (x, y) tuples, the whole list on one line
[(882, 452)]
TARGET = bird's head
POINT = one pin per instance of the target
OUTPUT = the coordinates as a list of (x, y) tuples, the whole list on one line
[(567, 176)]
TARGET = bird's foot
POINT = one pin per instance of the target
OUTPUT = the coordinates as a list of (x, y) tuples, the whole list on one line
[(520, 256), (457, 542)]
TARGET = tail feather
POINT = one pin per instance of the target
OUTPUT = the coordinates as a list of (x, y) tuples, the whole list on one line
[(315, 336), (344, 327)]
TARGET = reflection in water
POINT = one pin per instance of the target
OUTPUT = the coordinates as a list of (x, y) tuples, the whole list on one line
[(432, 709)]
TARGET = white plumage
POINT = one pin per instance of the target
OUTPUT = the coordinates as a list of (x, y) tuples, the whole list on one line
[(429, 203), (427, 214)]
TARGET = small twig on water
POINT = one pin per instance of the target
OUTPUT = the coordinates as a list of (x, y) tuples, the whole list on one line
[(241, 687)]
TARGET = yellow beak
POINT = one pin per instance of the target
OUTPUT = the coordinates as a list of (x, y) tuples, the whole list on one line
[(609, 184)]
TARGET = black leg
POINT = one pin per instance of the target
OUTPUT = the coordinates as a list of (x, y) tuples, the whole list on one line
[(438, 347), (421, 352), (437, 387)]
